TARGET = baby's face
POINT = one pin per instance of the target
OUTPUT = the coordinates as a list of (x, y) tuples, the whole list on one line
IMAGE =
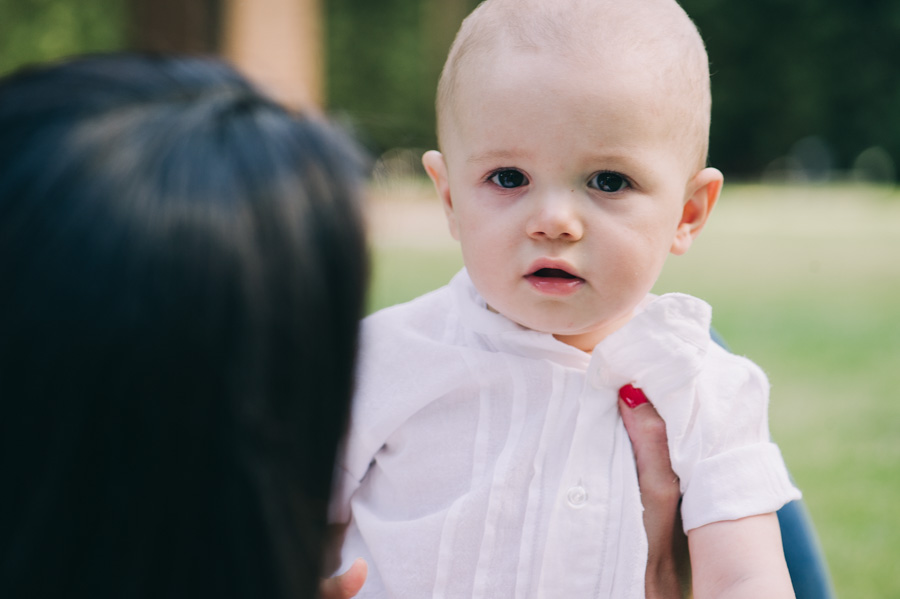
[(567, 190)]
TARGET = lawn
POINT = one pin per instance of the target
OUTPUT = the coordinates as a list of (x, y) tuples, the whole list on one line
[(803, 280)]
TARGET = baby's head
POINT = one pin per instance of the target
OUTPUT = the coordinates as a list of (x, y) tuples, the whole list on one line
[(654, 39), (574, 138)]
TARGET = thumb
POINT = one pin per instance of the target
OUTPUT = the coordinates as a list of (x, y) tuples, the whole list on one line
[(647, 432), (346, 585)]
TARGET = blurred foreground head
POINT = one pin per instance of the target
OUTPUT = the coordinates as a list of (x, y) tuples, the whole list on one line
[(182, 269)]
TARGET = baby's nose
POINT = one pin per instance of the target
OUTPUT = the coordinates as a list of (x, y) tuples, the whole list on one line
[(556, 217)]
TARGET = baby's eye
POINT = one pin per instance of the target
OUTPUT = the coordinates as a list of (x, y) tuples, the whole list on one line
[(608, 182), (509, 178)]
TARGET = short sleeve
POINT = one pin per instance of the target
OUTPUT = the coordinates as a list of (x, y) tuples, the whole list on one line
[(738, 472), (744, 481), (715, 406)]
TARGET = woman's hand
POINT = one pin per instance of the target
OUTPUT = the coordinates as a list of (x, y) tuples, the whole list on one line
[(668, 565)]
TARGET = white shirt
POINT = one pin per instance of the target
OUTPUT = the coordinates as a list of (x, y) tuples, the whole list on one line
[(488, 460)]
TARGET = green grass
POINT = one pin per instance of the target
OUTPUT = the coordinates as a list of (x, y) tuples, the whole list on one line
[(804, 281), (402, 273)]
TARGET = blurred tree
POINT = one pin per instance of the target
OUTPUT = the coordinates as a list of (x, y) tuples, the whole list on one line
[(783, 70), (175, 25), (41, 30), (384, 60), (278, 43)]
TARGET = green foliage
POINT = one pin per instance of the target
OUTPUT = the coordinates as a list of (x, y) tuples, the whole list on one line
[(787, 69), (784, 70), (383, 63), (42, 30)]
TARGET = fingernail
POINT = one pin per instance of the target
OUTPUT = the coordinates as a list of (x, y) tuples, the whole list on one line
[(632, 396)]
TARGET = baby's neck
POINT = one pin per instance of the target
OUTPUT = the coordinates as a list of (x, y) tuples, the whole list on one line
[(586, 341)]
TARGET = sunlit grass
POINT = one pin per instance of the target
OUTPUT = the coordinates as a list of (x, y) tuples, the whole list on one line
[(805, 281)]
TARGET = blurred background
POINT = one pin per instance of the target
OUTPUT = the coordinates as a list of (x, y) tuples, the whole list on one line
[(801, 260), (804, 90)]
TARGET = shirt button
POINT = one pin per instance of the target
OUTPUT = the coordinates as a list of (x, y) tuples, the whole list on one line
[(577, 496)]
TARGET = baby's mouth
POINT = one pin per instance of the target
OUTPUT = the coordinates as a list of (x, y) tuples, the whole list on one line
[(553, 273), (553, 281)]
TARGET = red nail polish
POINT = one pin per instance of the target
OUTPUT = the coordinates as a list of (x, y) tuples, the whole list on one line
[(632, 396)]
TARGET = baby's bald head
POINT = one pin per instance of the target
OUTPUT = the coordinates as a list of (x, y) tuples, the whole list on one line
[(650, 39)]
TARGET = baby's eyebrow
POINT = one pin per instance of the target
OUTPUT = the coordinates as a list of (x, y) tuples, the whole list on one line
[(496, 156)]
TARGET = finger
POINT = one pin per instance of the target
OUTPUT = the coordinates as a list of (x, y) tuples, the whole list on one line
[(632, 396), (346, 585), (667, 546), (647, 432)]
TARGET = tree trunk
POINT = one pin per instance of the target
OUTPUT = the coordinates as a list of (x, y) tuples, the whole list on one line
[(181, 26), (278, 43)]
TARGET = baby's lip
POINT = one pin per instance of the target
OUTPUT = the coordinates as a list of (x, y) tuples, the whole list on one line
[(552, 269)]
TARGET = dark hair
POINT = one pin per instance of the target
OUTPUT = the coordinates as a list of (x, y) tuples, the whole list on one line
[(182, 269)]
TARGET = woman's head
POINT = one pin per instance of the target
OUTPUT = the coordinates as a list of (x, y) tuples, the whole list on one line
[(183, 269)]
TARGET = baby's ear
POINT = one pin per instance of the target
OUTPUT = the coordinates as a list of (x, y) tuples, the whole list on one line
[(436, 167), (702, 193)]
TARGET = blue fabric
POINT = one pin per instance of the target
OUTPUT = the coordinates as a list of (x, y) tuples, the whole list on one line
[(806, 563), (805, 560)]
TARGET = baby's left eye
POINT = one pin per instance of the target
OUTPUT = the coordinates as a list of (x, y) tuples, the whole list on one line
[(608, 182)]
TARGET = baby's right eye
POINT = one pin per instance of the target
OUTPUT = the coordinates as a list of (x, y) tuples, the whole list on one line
[(509, 178)]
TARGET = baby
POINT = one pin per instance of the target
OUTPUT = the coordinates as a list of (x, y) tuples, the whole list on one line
[(486, 456)]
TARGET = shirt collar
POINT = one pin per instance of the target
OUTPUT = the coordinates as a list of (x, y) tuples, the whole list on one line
[(506, 334), (670, 329)]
